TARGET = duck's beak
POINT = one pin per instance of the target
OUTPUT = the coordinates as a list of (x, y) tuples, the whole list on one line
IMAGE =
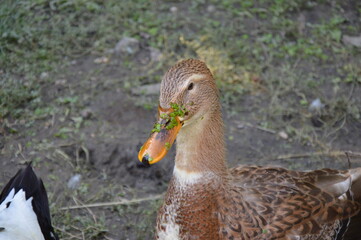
[(161, 139)]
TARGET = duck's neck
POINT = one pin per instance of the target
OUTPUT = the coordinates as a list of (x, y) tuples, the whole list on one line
[(201, 146)]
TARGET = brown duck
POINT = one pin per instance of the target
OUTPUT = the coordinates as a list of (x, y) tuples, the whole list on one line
[(207, 201)]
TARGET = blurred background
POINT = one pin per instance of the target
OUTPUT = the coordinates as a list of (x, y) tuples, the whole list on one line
[(79, 93)]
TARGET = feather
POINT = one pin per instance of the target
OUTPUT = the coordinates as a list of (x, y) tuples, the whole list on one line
[(23, 198)]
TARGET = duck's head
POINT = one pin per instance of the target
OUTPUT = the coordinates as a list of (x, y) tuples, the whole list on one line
[(188, 91)]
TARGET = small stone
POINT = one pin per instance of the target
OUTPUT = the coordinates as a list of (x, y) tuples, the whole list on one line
[(352, 40), (73, 62), (101, 60), (241, 125), (60, 82), (301, 23), (148, 89), (86, 113), (283, 135), (173, 9), (155, 54), (110, 51), (145, 35), (44, 75), (211, 8), (127, 45), (74, 181)]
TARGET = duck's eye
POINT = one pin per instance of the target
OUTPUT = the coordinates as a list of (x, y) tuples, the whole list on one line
[(190, 86)]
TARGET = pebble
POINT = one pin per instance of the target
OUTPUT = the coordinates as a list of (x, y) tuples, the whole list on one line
[(44, 75), (283, 135), (352, 40), (241, 125), (86, 113), (155, 54), (101, 60), (147, 89), (173, 9), (127, 45), (60, 82), (144, 35), (211, 8)]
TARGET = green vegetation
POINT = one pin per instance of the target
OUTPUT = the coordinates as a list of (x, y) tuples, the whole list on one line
[(157, 127), (178, 111), (39, 36), (170, 118)]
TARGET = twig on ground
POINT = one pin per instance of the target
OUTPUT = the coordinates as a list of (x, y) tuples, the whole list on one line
[(317, 154), (348, 160), (80, 203), (108, 204), (67, 233), (79, 230), (63, 155), (108, 238), (259, 127), (86, 151), (351, 91), (264, 129)]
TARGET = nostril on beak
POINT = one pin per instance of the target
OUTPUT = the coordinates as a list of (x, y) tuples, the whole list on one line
[(145, 161)]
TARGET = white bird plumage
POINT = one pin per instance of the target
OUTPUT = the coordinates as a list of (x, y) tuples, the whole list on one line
[(19, 219), (24, 209)]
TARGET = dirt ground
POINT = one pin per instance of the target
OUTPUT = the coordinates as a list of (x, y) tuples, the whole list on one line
[(100, 122)]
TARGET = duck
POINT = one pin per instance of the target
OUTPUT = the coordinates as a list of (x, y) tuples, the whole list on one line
[(206, 200), (24, 208)]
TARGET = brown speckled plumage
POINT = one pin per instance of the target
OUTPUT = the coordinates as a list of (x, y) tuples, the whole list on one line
[(207, 201)]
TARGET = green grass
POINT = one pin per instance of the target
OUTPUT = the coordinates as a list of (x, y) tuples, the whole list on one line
[(39, 36), (42, 36)]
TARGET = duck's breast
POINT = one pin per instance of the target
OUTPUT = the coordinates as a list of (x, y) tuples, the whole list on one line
[(190, 211)]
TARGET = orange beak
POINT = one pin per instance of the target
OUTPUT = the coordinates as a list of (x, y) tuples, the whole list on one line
[(161, 139)]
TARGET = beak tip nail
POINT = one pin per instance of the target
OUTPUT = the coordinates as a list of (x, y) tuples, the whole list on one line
[(145, 162)]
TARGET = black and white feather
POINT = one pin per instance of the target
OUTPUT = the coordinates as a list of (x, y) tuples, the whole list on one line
[(24, 209)]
